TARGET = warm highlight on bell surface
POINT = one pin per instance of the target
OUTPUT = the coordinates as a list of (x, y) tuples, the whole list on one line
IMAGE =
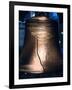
[(41, 52)]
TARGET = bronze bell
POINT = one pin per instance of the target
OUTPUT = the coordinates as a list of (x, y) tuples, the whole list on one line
[(41, 51)]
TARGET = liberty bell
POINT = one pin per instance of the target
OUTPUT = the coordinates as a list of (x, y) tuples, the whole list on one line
[(41, 52)]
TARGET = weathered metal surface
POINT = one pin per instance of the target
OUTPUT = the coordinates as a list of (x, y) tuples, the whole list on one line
[(41, 52)]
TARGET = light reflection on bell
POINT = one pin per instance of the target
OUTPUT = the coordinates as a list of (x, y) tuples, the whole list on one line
[(41, 52)]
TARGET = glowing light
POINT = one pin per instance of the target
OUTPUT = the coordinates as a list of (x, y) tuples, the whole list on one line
[(53, 15)]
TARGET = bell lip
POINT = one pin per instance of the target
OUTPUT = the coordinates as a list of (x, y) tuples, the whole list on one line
[(30, 71), (26, 68)]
